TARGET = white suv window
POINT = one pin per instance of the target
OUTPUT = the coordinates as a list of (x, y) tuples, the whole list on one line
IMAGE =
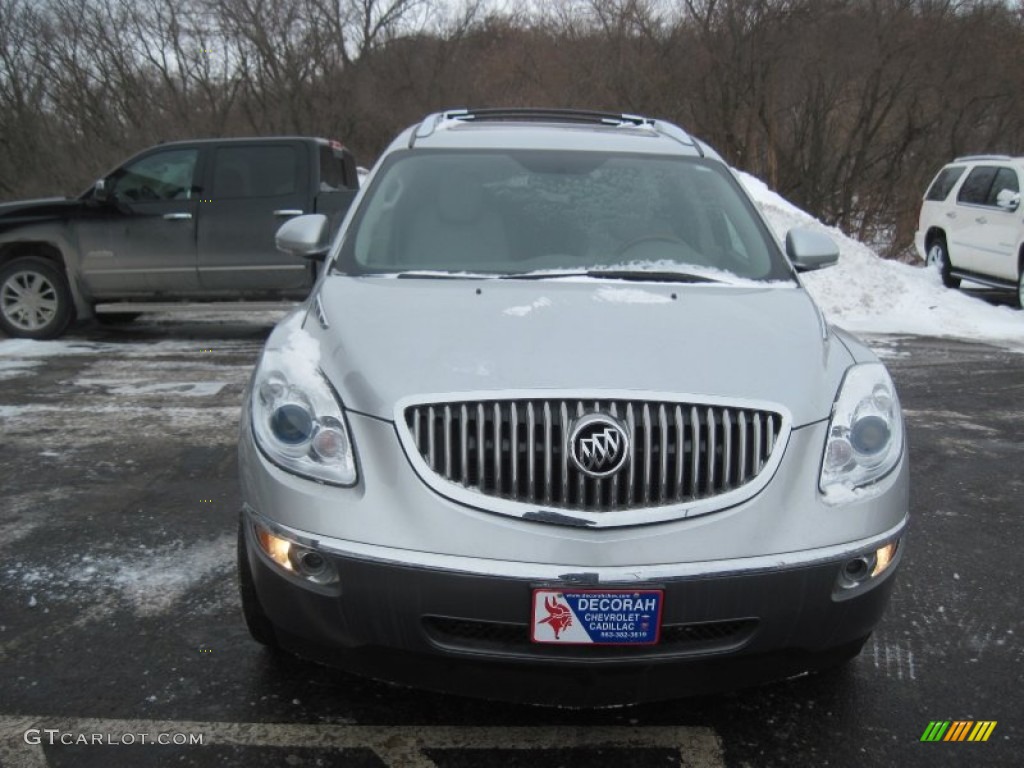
[(975, 189), (1006, 179), (944, 183)]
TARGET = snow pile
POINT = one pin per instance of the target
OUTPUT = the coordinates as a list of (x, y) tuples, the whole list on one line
[(867, 294)]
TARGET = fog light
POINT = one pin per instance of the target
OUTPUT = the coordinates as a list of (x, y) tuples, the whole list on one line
[(296, 558), (856, 571), (883, 558), (276, 548)]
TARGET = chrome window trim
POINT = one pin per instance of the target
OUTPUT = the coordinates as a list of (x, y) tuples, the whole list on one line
[(605, 519)]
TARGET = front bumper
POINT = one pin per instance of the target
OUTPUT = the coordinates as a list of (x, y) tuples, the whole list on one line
[(462, 625)]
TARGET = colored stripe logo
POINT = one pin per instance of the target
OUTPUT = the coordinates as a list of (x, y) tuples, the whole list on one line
[(958, 730)]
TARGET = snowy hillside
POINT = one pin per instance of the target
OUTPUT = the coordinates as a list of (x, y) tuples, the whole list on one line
[(870, 295)]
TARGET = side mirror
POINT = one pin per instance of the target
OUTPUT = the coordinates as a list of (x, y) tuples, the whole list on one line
[(304, 236), (809, 250), (1008, 200), (102, 191)]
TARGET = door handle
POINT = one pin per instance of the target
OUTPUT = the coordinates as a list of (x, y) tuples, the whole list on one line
[(981, 220), (177, 216), (950, 214), (288, 212)]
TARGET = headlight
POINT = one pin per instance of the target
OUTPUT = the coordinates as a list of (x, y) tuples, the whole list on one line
[(296, 417), (865, 434)]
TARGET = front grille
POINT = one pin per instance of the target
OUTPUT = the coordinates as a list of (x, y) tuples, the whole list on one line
[(494, 636), (516, 450)]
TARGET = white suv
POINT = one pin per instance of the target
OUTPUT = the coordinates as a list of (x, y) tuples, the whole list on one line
[(970, 226)]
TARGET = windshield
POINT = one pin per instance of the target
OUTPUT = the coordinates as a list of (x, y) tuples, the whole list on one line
[(513, 212)]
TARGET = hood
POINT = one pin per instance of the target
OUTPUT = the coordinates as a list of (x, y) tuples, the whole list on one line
[(394, 338), (23, 211)]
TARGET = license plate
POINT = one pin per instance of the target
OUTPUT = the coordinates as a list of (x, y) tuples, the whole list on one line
[(596, 616)]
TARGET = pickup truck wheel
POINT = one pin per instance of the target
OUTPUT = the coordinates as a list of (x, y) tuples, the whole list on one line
[(1020, 289), (938, 256), (35, 301)]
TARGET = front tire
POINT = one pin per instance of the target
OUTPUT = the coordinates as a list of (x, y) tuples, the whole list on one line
[(1020, 288), (35, 300), (938, 256), (259, 626)]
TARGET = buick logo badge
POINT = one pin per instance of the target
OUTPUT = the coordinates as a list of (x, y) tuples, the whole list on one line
[(598, 445)]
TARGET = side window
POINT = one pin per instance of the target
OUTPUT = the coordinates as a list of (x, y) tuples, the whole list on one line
[(254, 171), (164, 175), (332, 170), (944, 183), (975, 188), (1006, 180)]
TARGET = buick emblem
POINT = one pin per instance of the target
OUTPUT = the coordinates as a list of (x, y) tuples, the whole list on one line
[(598, 445)]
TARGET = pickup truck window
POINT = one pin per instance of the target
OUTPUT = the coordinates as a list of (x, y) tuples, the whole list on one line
[(159, 176), (254, 171), (332, 170)]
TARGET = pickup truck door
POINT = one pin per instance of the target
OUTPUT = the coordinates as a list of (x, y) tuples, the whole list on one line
[(253, 189), (142, 241)]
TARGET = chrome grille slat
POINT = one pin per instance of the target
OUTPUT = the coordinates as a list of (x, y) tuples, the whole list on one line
[(563, 488), (758, 455), (678, 452), (514, 447), (663, 454), (581, 480), (743, 448), (548, 458), (463, 443), (448, 440), (531, 451), (480, 446), (712, 450), (694, 451), (497, 451), (726, 447), (432, 455)]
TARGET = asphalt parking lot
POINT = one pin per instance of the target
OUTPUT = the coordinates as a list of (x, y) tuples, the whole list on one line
[(119, 616)]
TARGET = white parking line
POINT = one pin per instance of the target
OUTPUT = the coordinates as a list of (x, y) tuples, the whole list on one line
[(396, 746)]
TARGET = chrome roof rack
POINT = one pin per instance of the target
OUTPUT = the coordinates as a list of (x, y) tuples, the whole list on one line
[(971, 158), (549, 115)]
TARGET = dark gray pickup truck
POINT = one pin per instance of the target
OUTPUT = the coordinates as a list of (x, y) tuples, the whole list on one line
[(178, 224)]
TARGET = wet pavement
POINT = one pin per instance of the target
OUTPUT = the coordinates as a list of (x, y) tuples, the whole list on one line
[(119, 615)]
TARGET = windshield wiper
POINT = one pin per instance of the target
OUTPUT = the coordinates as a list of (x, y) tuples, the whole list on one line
[(639, 275), (652, 276), (440, 276)]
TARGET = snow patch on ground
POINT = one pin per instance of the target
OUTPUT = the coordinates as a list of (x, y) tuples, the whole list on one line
[(12, 369), (149, 580), (869, 295), (150, 387)]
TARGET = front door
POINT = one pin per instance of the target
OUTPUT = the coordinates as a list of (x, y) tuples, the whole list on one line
[(143, 241)]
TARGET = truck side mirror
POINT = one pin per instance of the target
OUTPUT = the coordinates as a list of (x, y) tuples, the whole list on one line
[(304, 236), (102, 191), (809, 250)]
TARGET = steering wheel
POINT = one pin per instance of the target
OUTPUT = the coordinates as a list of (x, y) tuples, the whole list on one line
[(147, 193)]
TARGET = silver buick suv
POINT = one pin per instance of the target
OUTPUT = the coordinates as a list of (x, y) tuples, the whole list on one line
[(559, 423)]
